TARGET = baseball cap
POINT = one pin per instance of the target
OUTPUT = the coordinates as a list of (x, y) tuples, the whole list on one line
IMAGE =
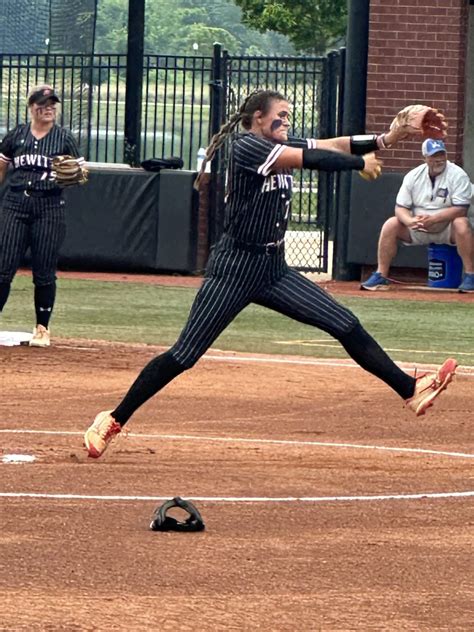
[(42, 96), (432, 146)]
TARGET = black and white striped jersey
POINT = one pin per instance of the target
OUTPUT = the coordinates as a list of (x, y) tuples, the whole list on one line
[(30, 158), (257, 198)]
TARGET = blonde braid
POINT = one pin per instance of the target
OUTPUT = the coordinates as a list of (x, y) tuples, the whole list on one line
[(216, 142), (220, 137)]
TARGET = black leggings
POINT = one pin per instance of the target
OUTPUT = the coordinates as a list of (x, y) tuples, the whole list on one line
[(235, 279)]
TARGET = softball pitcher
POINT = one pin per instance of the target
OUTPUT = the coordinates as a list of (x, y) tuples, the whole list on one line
[(248, 263)]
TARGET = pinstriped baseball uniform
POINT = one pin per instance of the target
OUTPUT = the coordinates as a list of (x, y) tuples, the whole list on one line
[(33, 208), (248, 263)]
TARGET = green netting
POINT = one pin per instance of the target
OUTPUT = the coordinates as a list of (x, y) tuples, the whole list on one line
[(72, 26)]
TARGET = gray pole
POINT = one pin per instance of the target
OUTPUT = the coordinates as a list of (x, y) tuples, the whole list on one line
[(90, 93), (134, 81), (353, 122), (217, 116)]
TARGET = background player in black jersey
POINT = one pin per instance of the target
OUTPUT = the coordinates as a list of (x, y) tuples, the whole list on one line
[(33, 207), (248, 263)]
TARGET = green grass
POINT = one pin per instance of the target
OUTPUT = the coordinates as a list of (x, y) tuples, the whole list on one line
[(413, 331)]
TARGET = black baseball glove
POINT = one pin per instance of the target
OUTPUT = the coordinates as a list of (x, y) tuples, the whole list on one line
[(162, 522)]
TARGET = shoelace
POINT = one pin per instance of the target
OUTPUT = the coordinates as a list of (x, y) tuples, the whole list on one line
[(435, 381), (111, 429)]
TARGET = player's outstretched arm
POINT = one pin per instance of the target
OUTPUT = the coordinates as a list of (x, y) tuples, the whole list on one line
[(359, 144), (325, 160), (413, 122)]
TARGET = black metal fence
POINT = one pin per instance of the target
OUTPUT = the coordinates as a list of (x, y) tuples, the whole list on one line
[(175, 107), (185, 99)]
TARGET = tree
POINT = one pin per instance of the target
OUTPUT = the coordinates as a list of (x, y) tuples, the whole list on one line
[(111, 28), (311, 25), (174, 26)]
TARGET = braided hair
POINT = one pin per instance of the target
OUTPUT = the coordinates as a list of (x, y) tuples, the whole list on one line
[(258, 100)]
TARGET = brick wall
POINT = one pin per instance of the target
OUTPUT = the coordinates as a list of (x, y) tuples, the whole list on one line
[(417, 52)]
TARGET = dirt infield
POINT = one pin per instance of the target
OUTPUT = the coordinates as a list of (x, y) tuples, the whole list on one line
[(281, 458)]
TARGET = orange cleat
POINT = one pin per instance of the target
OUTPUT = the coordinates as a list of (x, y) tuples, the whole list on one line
[(429, 386), (101, 433)]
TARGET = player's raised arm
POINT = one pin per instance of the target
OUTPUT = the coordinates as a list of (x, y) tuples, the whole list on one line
[(413, 122)]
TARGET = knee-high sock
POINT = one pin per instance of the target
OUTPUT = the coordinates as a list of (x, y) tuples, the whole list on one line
[(157, 373), (370, 356), (4, 293), (45, 296)]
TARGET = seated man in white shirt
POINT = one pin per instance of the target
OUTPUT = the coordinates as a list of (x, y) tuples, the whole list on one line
[(431, 208)]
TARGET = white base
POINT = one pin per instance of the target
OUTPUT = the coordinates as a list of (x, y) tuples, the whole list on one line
[(14, 338)]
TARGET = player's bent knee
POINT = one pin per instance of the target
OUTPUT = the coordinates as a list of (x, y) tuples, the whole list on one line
[(343, 328), (354, 322), (182, 358)]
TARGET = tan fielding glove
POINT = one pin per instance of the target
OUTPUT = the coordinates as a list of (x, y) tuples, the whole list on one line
[(420, 120), (69, 171)]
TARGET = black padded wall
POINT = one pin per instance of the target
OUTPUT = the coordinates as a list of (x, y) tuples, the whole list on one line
[(371, 204), (131, 220), (178, 221), (112, 222)]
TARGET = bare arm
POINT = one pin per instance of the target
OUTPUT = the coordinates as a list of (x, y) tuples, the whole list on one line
[(3, 170), (343, 143), (405, 216), (294, 158), (426, 222)]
